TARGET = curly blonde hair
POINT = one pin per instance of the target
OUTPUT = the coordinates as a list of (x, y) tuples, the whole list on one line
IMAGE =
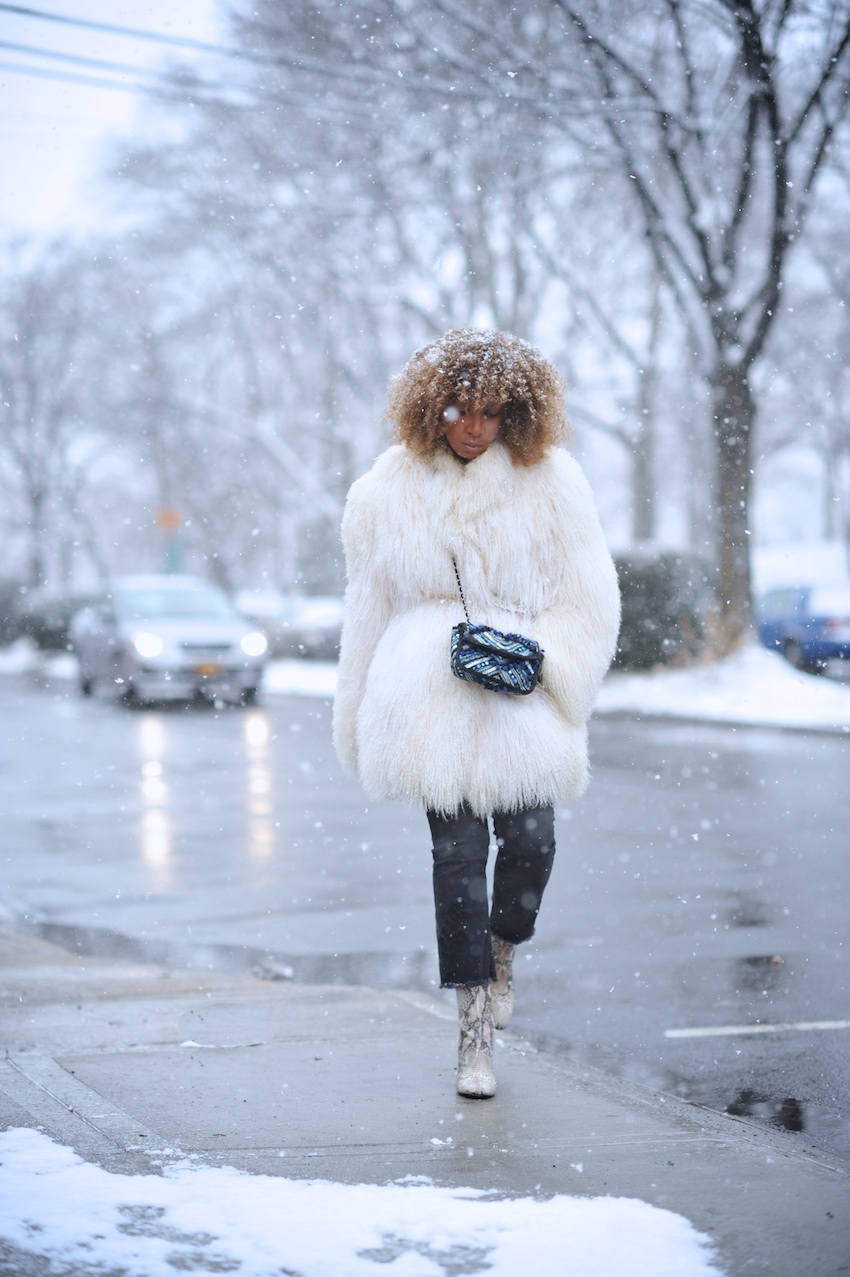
[(479, 368)]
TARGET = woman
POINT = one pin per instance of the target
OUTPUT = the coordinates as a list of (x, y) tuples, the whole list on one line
[(476, 483)]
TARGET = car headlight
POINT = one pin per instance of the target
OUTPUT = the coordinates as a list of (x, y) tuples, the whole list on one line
[(147, 645), (254, 644)]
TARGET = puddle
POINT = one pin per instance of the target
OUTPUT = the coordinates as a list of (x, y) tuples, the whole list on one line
[(415, 970), (821, 1124), (748, 912), (788, 1114), (759, 974)]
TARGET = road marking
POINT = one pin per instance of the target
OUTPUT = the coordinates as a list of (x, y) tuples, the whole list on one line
[(737, 1030)]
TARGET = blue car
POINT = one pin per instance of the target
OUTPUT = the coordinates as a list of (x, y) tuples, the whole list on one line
[(809, 625)]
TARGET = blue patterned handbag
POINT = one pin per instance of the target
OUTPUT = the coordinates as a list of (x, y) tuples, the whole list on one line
[(500, 662)]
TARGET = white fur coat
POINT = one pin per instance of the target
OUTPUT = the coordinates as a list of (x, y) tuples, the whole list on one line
[(532, 560)]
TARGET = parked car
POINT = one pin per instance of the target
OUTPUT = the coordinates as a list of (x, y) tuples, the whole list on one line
[(10, 621), (308, 625), (44, 616), (162, 637), (809, 625)]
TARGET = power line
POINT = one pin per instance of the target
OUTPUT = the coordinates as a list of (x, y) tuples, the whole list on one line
[(193, 91), (160, 88), (144, 81), (136, 33), (75, 58), (336, 69), (48, 73)]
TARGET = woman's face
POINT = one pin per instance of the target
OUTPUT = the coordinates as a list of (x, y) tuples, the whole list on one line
[(470, 433)]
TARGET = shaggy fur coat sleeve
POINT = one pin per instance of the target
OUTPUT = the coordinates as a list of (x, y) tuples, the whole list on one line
[(579, 631), (367, 614)]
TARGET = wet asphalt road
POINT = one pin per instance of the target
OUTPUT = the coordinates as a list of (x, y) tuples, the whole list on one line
[(700, 887)]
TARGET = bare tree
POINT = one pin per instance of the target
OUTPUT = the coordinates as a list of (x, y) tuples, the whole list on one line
[(806, 370), (713, 116), (40, 344), (716, 115)]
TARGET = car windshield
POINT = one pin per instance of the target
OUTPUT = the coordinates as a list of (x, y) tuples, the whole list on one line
[(147, 603)]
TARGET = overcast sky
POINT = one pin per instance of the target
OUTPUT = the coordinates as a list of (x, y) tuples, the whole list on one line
[(54, 134)]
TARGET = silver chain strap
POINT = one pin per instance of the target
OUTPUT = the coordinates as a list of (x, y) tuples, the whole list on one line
[(460, 587)]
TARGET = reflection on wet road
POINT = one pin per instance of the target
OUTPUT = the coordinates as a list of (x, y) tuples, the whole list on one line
[(155, 821), (259, 793), (694, 935)]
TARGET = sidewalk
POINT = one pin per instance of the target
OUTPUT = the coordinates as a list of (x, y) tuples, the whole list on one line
[(131, 1066)]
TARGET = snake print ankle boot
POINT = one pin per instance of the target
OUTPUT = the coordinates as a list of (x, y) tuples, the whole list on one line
[(475, 1077)]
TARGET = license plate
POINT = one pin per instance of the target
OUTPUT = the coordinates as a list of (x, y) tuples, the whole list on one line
[(208, 669)]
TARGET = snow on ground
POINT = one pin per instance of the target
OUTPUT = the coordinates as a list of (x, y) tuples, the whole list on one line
[(20, 658), (301, 678), (198, 1218), (752, 687)]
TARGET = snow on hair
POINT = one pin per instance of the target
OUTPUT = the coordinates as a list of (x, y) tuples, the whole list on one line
[(479, 368)]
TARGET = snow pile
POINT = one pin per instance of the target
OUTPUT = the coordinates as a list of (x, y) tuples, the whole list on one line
[(19, 658), (23, 657), (194, 1218), (301, 678), (753, 686)]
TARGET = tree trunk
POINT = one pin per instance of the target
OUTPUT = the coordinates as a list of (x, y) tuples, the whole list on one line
[(36, 566), (643, 482), (734, 414), (833, 520), (644, 508)]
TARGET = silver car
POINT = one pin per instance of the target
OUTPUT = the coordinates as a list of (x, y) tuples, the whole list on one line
[(162, 637), (295, 625)]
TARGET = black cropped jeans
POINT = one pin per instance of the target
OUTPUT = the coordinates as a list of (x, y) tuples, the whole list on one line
[(526, 849)]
